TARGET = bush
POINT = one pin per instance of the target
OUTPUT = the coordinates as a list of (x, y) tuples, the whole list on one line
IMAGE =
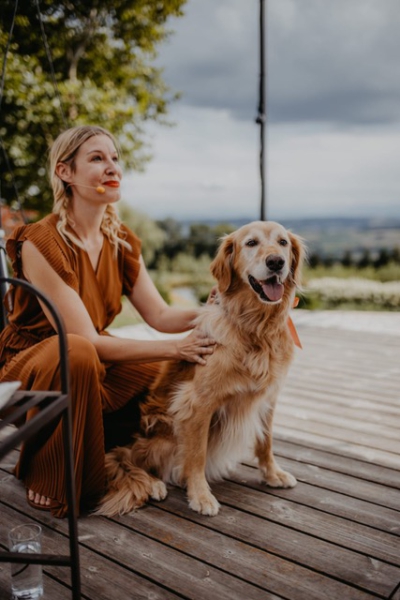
[(330, 292)]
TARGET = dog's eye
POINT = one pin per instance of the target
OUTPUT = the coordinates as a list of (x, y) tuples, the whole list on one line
[(251, 243), (283, 242)]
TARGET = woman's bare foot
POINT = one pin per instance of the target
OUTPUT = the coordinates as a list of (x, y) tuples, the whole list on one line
[(38, 499)]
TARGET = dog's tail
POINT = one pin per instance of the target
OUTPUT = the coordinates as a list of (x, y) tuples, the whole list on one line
[(129, 486)]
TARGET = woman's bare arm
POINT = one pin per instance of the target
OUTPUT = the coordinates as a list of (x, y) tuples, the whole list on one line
[(193, 348), (154, 310)]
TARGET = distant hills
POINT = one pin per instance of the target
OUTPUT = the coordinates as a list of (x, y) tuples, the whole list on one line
[(332, 236)]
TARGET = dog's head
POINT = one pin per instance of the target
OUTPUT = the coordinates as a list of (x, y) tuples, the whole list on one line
[(262, 255)]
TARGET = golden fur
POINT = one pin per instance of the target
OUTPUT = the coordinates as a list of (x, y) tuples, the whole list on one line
[(199, 421)]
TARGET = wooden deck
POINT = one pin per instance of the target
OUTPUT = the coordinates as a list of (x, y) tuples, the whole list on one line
[(335, 536)]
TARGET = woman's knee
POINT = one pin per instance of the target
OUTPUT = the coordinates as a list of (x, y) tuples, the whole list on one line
[(81, 353)]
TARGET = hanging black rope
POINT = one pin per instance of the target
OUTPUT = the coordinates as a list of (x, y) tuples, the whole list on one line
[(3, 72), (3, 78), (261, 116), (56, 92), (49, 58)]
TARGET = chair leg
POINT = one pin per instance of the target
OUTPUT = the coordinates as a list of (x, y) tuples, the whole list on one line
[(71, 499)]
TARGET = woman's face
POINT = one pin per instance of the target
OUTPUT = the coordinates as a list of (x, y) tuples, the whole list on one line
[(97, 172)]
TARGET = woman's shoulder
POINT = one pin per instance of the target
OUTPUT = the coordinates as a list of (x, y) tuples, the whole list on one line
[(35, 231), (45, 236)]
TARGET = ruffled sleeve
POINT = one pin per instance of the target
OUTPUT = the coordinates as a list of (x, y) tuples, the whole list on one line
[(50, 244), (130, 260)]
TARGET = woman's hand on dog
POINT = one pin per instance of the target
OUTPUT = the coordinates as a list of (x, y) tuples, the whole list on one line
[(195, 347)]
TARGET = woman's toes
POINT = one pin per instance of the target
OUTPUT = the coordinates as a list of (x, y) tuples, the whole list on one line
[(38, 499)]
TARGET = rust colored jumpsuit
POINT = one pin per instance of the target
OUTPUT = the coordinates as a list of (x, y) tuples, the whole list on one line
[(99, 391)]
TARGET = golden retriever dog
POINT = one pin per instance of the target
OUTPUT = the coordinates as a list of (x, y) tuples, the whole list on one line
[(199, 421)]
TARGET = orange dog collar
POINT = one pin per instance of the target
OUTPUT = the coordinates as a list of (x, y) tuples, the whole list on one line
[(292, 327)]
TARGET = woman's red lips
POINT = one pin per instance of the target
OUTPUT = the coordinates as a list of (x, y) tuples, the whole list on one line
[(114, 184)]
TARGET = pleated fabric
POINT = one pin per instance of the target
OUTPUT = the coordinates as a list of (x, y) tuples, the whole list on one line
[(99, 391)]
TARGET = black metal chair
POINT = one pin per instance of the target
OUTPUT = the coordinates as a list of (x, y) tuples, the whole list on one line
[(3, 284), (52, 405)]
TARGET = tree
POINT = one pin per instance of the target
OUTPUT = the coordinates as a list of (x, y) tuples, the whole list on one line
[(365, 259), (204, 239), (347, 258), (314, 260), (382, 259), (174, 238), (104, 66), (151, 236), (395, 256)]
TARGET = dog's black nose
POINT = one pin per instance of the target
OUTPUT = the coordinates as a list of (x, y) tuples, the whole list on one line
[(275, 262)]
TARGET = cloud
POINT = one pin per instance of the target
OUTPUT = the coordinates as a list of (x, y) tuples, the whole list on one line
[(213, 55), (335, 62), (326, 61), (207, 167), (333, 128), (325, 171)]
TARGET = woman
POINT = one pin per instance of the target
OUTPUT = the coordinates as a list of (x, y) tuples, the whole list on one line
[(83, 258)]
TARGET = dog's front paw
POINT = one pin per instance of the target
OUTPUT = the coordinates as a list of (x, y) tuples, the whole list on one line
[(280, 479), (205, 504), (158, 490)]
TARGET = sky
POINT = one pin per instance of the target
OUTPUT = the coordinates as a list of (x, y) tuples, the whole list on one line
[(333, 113)]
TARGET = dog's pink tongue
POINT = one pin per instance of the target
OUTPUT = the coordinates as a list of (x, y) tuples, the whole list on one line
[(273, 290)]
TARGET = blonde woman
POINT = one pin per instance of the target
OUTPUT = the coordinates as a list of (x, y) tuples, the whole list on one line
[(84, 259)]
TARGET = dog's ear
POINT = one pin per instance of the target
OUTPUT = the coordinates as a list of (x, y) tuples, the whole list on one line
[(298, 256), (222, 265)]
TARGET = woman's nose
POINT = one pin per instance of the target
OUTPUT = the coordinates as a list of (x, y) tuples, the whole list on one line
[(111, 166)]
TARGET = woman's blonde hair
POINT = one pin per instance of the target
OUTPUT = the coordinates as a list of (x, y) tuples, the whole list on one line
[(64, 149)]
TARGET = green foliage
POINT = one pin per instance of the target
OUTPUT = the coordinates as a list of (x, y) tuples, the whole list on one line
[(390, 272), (174, 239), (353, 293), (186, 263), (103, 55), (151, 236), (200, 240)]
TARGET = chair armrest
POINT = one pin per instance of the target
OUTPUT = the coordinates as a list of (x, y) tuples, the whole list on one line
[(60, 327)]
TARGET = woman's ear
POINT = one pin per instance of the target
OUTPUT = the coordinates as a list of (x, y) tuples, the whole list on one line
[(221, 266), (63, 171), (298, 256)]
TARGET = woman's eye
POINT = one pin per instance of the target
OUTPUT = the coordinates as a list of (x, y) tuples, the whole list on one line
[(283, 242), (251, 243), (96, 158)]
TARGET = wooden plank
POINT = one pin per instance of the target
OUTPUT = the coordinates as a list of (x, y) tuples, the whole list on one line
[(100, 578), (52, 590), (324, 499), (356, 411), (338, 339), (336, 535), (335, 462), (165, 566), (320, 387), (280, 509), (346, 449), (250, 563), (358, 570), (356, 426), (91, 534), (354, 436), (395, 595)]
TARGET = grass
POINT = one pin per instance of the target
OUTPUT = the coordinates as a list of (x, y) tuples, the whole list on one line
[(195, 275)]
